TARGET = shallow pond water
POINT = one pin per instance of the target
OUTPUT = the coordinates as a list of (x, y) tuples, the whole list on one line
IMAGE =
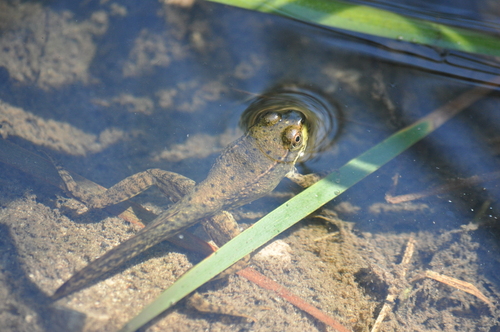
[(113, 89)]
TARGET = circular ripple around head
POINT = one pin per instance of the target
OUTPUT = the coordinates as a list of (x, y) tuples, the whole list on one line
[(321, 116)]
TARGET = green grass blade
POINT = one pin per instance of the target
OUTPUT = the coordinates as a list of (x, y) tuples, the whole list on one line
[(377, 22), (302, 205)]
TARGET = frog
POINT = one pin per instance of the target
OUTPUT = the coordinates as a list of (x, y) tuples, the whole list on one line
[(247, 169)]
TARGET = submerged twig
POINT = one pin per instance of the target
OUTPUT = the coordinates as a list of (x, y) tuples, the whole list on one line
[(394, 291), (458, 284), (269, 284), (450, 281)]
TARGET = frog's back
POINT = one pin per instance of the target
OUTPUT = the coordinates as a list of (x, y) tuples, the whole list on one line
[(243, 173)]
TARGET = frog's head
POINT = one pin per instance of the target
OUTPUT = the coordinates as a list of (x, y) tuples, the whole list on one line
[(318, 112), (281, 134)]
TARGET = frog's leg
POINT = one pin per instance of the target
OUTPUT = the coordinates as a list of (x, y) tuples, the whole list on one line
[(221, 228), (171, 184), (303, 180)]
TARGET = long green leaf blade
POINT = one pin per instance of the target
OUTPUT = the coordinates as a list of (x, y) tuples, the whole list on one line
[(376, 22)]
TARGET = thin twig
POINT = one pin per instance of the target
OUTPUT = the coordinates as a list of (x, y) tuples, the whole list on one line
[(269, 284), (458, 284), (389, 300)]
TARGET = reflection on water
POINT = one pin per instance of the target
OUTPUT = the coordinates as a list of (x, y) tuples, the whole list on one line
[(111, 89)]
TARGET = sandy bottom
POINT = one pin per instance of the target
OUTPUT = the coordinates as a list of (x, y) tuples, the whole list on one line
[(345, 273)]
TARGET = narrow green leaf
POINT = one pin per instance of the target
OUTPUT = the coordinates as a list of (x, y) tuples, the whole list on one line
[(377, 22)]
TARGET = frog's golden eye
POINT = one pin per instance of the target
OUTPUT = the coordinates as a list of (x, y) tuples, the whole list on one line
[(293, 137), (271, 118), (296, 141)]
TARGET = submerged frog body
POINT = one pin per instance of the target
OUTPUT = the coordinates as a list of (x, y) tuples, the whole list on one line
[(246, 170)]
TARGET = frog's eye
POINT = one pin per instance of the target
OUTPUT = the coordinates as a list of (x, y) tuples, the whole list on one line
[(271, 118), (293, 137)]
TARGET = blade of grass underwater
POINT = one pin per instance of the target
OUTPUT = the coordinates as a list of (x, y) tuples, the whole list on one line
[(301, 206), (377, 22)]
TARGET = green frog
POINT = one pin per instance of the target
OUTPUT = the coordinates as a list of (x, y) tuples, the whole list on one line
[(246, 170)]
